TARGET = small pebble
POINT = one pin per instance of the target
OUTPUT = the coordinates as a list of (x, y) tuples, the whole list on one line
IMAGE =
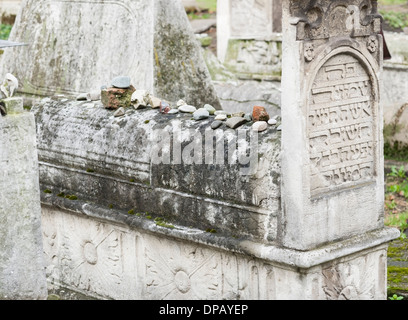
[(216, 124), (121, 82), (235, 122), (279, 128), (94, 95), (155, 103), (201, 114), (173, 111), (272, 122), (218, 112), (187, 109), (221, 117), (181, 103), (210, 109), (260, 126), (248, 117), (238, 114)]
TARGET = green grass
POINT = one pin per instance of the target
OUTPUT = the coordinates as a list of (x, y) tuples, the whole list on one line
[(388, 2), (397, 20), (5, 31), (210, 4)]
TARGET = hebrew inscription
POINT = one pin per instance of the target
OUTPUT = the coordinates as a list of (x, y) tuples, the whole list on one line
[(341, 126)]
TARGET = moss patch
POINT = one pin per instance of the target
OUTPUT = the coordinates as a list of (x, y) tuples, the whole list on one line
[(398, 267)]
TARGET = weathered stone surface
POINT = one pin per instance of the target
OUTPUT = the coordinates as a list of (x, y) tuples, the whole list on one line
[(12, 105), (120, 112), (244, 95), (225, 198), (190, 80), (114, 38), (115, 98), (22, 265), (138, 260), (247, 20)]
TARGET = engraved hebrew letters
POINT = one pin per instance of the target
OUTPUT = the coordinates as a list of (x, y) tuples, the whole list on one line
[(341, 126)]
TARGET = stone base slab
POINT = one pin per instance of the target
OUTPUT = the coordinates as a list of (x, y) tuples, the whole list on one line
[(125, 257)]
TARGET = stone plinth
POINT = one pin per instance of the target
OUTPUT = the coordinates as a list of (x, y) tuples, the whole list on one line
[(22, 266)]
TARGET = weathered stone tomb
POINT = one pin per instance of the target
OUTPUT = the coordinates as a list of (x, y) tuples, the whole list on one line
[(160, 206)]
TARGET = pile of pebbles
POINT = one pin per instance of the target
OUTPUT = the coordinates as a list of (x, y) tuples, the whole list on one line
[(141, 99)]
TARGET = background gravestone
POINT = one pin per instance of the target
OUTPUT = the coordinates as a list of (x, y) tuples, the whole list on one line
[(22, 266), (249, 39), (78, 46)]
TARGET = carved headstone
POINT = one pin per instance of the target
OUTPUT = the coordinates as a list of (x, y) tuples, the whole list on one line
[(79, 46), (332, 121), (332, 142), (248, 39), (22, 264)]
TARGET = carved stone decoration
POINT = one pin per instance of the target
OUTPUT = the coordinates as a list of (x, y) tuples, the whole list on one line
[(309, 51), (91, 257), (372, 44), (351, 281), (324, 19), (181, 271), (341, 125)]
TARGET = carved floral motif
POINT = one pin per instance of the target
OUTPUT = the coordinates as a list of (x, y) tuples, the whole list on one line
[(351, 281), (181, 271), (91, 255)]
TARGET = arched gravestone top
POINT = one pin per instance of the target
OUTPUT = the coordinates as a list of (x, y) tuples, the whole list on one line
[(79, 46)]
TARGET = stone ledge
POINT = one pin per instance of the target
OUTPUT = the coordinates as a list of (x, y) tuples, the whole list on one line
[(270, 253)]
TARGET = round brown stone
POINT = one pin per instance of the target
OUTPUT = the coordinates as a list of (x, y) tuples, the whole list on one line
[(260, 114)]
